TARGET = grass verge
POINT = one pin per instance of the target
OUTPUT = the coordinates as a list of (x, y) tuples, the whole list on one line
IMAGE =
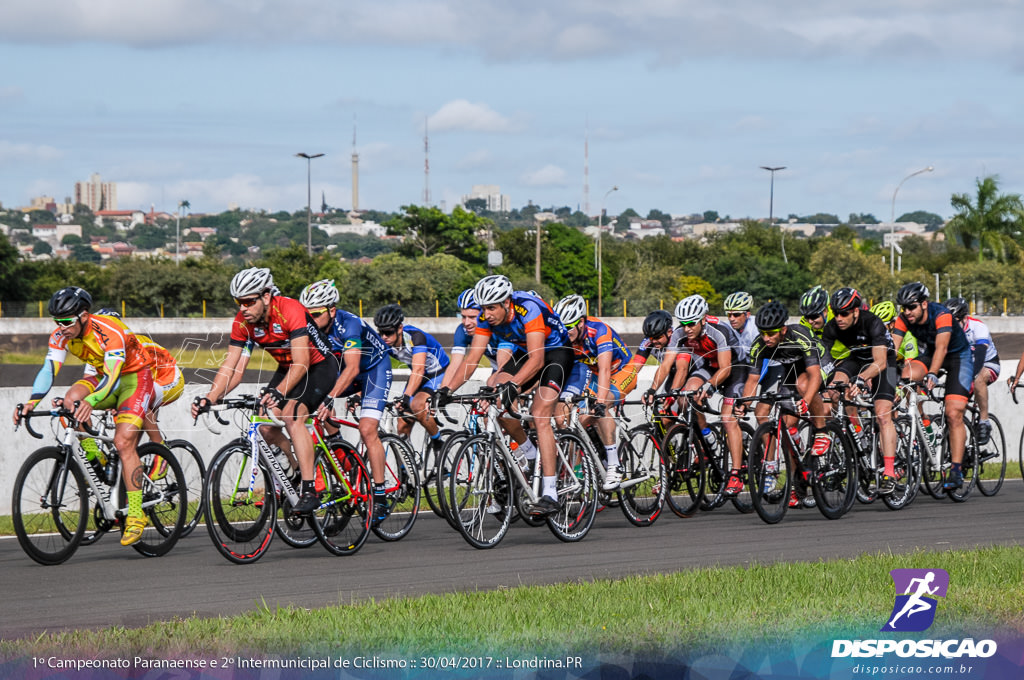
[(695, 610)]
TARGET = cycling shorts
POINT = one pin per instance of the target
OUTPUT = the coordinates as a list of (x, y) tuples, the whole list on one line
[(132, 396), (883, 385), (980, 364), (732, 388), (623, 382), (311, 390), (577, 382), (959, 372), (781, 378), (375, 384), (558, 363), (168, 394)]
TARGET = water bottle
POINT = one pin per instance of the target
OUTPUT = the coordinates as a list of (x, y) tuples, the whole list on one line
[(282, 460), (794, 432), (520, 457), (709, 437), (930, 433)]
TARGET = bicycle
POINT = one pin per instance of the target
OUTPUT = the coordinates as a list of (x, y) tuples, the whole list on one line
[(990, 456), (246, 488), (487, 481), (867, 451), (424, 457), (779, 459), (52, 491)]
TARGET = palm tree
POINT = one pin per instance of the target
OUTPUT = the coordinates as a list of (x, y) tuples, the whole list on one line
[(991, 221)]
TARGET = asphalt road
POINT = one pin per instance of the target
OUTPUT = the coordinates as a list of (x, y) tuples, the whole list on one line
[(105, 584)]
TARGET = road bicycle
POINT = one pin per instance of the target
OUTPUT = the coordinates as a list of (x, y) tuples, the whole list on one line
[(57, 485), (779, 462), (990, 456), (249, 497), (868, 453), (487, 480), (424, 456)]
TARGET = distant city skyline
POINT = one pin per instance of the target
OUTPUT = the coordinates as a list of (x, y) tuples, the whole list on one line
[(682, 103)]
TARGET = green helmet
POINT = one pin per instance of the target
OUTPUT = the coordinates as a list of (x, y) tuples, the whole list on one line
[(814, 301), (740, 301), (885, 310)]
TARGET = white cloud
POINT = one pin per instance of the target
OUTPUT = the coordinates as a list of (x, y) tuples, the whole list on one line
[(11, 152), (462, 115), (548, 176)]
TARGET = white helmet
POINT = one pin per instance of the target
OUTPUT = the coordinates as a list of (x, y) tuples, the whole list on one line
[(691, 309), (253, 281), (319, 294), (493, 289), (571, 309)]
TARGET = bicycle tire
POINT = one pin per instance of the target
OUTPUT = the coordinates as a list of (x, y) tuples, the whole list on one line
[(240, 520), (996, 447), (295, 530), (717, 463), (641, 492), (403, 483), (769, 474), (931, 476), (576, 481), (50, 506), (684, 471), (867, 475), (480, 492), (430, 455), (165, 501), (741, 501), (908, 461), (443, 471), (342, 522), (194, 470), (968, 466), (834, 482), (101, 525)]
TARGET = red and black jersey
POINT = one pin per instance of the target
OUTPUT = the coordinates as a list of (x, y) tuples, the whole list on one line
[(286, 320), (717, 337)]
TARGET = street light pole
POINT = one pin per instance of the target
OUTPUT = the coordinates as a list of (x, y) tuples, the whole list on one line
[(771, 206), (892, 221), (309, 199), (600, 272)]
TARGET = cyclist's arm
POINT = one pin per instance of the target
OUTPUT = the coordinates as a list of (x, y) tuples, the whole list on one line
[(939, 356), (453, 369), (350, 372), (417, 369), (604, 376), (879, 360), (228, 375), (472, 360), (724, 368), (683, 362), (44, 379), (664, 368)]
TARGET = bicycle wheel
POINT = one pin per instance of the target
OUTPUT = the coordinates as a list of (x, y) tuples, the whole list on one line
[(342, 522), (931, 469), (769, 474), (992, 460), (431, 454), (717, 464), (867, 475), (742, 501), (402, 482), (50, 506), (443, 472), (295, 530), (576, 481), (684, 471), (194, 471), (968, 467), (480, 493), (907, 465), (642, 490), (834, 482), (241, 506), (165, 501)]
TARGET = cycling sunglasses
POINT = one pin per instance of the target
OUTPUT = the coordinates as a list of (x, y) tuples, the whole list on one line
[(66, 323), (247, 302)]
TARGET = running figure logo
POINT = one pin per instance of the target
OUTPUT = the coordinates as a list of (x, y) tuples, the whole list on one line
[(915, 605)]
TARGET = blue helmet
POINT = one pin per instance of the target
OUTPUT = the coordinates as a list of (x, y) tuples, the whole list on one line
[(467, 300)]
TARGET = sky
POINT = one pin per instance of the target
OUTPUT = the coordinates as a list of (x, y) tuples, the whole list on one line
[(680, 102)]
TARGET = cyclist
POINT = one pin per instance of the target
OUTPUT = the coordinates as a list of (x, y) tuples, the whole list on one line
[(737, 311), (544, 359), (304, 376), (886, 311), (612, 375), (942, 344), (717, 361), (870, 366), (365, 370), (663, 342), (469, 312), (427, 362), (123, 378), (787, 358), (986, 360)]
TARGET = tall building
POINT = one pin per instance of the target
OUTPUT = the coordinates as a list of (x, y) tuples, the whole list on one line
[(496, 201), (95, 194)]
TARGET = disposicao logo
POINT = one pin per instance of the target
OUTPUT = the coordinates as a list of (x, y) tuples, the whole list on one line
[(916, 593)]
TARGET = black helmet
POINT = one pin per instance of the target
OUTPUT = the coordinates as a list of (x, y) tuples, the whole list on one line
[(958, 307), (813, 302), (845, 299), (657, 323), (68, 302), (773, 315), (388, 317), (912, 293)]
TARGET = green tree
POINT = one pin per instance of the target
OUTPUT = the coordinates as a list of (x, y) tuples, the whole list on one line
[(862, 218), (416, 283), (821, 218), (711, 216), (664, 218), (428, 231), (991, 220), (838, 263), (85, 253), (928, 219), (685, 286), (477, 206), (622, 221), (41, 248), (9, 283)]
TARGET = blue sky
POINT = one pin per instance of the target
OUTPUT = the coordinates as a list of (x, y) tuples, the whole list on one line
[(209, 100)]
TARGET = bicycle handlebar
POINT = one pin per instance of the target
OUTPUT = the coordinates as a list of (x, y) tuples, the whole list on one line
[(53, 413)]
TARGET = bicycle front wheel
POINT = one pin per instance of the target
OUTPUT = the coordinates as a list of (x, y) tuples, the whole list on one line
[(769, 474), (241, 506), (402, 482), (194, 471), (907, 466), (443, 474), (834, 482), (992, 460), (685, 471), (576, 481), (642, 490), (968, 467), (480, 493), (342, 522), (50, 507)]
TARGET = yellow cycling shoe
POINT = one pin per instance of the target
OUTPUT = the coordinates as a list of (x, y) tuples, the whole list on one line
[(158, 470), (133, 527)]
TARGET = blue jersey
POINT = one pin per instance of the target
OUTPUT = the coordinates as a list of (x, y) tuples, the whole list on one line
[(462, 340), (528, 314), (413, 342), (597, 338), (347, 331)]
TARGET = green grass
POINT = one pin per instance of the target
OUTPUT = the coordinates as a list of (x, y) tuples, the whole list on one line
[(710, 608)]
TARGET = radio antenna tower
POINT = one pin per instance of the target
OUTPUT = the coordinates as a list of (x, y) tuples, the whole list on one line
[(355, 169), (426, 163), (586, 171)]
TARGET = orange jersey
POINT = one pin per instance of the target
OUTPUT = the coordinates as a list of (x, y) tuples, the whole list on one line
[(164, 365), (102, 335)]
